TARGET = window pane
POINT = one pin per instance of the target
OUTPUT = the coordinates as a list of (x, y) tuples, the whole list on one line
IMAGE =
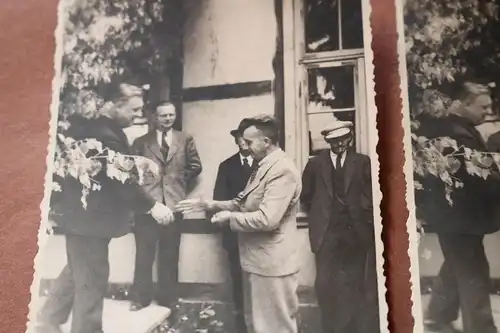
[(316, 123), (352, 24), (321, 25), (332, 87)]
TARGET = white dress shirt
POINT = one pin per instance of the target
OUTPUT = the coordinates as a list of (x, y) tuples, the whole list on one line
[(249, 159), (168, 138), (333, 156)]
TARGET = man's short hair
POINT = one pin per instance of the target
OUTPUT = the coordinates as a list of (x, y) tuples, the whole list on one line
[(164, 103), (471, 90), (267, 124), (124, 91)]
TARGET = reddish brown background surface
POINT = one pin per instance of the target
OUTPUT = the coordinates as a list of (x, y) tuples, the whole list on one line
[(26, 71)]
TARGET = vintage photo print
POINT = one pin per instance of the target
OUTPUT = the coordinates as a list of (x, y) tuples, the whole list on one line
[(212, 169), (450, 62)]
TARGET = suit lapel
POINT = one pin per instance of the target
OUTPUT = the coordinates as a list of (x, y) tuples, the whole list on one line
[(349, 165), (173, 147), (153, 146), (326, 167), (261, 172)]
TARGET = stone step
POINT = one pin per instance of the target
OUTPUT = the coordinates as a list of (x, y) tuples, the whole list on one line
[(118, 318)]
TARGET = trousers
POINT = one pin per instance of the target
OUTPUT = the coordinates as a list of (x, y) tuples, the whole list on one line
[(230, 244), (150, 236), (80, 287), (346, 282), (271, 303), (463, 284)]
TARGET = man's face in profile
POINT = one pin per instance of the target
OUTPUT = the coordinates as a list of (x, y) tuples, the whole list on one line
[(128, 110), (256, 141), (478, 108)]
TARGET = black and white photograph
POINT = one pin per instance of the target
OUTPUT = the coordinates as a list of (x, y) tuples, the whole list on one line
[(212, 169), (450, 70)]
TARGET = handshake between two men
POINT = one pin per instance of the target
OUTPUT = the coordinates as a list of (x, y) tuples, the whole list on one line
[(165, 216)]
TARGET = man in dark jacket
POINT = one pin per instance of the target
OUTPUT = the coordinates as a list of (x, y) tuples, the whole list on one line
[(82, 284), (337, 195), (232, 177), (463, 281)]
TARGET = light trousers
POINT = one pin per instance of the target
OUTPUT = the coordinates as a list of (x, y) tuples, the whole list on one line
[(271, 303)]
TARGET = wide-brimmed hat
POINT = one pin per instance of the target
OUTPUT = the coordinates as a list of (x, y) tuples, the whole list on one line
[(235, 133), (337, 129)]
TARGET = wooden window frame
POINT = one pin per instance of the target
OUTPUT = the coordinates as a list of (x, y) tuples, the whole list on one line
[(295, 63)]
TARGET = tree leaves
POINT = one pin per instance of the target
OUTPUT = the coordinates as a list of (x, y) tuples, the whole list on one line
[(103, 40), (83, 160), (445, 42), (440, 158)]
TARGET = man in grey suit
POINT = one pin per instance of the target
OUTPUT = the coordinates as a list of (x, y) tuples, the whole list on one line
[(264, 214), (179, 164)]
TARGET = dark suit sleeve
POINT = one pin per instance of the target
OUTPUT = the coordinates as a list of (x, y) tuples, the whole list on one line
[(494, 143), (220, 188), (193, 161), (131, 192), (307, 193), (466, 139)]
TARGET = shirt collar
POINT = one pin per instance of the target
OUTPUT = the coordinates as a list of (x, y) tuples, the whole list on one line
[(249, 158), (334, 156), (168, 132)]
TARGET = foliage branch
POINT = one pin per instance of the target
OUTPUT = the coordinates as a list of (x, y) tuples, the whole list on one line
[(104, 42)]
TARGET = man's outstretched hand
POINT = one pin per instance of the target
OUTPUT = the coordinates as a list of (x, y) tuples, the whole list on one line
[(189, 206), (162, 214)]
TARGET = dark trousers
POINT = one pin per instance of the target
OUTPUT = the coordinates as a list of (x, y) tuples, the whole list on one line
[(81, 286), (230, 244), (463, 283), (149, 236), (346, 283)]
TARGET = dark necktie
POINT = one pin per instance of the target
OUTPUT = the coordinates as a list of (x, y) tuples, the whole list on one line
[(253, 174), (246, 166), (164, 144), (338, 162)]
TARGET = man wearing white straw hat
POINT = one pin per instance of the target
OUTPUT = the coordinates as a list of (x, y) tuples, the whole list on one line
[(337, 194)]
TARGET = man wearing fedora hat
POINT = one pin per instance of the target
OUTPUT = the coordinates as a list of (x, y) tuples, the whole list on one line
[(337, 194), (232, 176)]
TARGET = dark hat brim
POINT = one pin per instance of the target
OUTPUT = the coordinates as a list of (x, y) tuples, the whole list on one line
[(235, 133)]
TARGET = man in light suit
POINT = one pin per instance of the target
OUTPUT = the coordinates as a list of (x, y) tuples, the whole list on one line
[(264, 215), (179, 163), (337, 195), (232, 177)]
